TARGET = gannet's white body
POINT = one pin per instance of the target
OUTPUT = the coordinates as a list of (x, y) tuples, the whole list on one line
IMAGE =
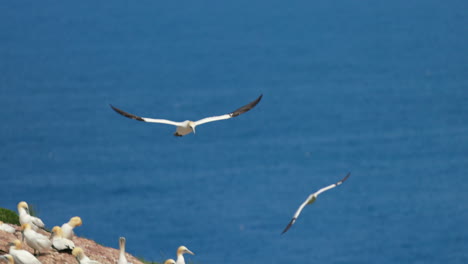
[(59, 242), (67, 228), (25, 218), (311, 199), (20, 255), (7, 228), (187, 127), (35, 240), (122, 258), (180, 254), (82, 258)]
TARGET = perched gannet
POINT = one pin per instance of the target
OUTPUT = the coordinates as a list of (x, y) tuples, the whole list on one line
[(35, 240), (186, 127), (180, 254), (26, 218), (82, 258), (60, 243), (122, 258), (6, 228), (20, 255), (8, 258), (312, 199), (170, 261), (67, 228)]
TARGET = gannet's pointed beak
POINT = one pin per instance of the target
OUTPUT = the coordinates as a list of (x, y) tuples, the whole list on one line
[(188, 251)]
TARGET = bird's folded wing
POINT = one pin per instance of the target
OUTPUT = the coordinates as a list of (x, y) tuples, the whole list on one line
[(145, 119), (234, 113)]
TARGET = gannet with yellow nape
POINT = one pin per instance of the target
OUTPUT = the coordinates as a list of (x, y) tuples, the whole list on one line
[(26, 218), (35, 240), (170, 261), (67, 228), (311, 199), (60, 243), (8, 258), (20, 255), (180, 254), (6, 228), (82, 258), (122, 258), (187, 127)]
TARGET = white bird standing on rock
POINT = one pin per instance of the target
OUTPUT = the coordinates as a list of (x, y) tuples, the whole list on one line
[(20, 255), (26, 218), (122, 258), (187, 127), (82, 258), (60, 243), (311, 199), (180, 254), (67, 228), (35, 240), (7, 228)]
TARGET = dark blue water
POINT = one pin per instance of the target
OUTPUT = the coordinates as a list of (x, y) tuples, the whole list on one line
[(377, 88)]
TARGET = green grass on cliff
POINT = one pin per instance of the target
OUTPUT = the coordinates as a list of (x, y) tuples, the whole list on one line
[(9, 216)]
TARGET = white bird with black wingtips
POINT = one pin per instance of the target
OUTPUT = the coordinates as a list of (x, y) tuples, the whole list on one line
[(187, 127), (26, 218), (311, 199)]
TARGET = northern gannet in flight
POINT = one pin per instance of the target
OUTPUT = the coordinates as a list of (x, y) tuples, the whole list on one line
[(35, 240), (60, 243), (180, 254), (6, 228), (67, 228), (8, 258), (26, 218), (186, 127), (122, 258), (82, 258), (20, 255), (312, 199)]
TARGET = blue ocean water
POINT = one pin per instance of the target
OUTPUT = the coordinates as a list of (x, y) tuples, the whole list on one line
[(377, 88)]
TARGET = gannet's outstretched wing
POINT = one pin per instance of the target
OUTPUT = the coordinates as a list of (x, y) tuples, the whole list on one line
[(312, 199), (145, 119), (234, 113)]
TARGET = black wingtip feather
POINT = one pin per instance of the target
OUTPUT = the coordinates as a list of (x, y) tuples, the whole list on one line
[(131, 116), (288, 226), (246, 107)]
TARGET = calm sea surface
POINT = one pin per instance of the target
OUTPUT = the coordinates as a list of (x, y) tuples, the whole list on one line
[(377, 88)]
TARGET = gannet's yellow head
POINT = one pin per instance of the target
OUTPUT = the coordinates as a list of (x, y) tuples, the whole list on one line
[(75, 221), (78, 253), (192, 126), (57, 231), (8, 258), (16, 243), (25, 226), (182, 250), (169, 261), (1, 222), (23, 205), (122, 242)]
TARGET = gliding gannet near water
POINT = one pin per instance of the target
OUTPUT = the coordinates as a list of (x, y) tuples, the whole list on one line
[(67, 228), (187, 127), (20, 255), (82, 258), (26, 218), (60, 243), (312, 199), (122, 258), (6, 228), (180, 254)]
